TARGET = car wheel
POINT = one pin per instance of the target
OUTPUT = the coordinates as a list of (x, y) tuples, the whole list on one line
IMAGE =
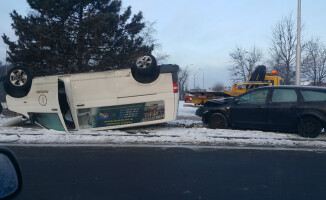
[(145, 70), (205, 118), (18, 82), (217, 121), (309, 127)]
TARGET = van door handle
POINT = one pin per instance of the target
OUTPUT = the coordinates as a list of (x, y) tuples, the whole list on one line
[(80, 105)]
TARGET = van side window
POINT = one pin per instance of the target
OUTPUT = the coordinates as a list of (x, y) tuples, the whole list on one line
[(284, 95), (49, 121), (313, 96)]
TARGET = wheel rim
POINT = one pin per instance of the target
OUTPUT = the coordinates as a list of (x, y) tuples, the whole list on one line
[(309, 128), (18, 77), (144, 61), (219, 122)]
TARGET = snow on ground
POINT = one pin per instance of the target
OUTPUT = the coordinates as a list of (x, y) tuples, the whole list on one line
[(184, 110), (178, 132)]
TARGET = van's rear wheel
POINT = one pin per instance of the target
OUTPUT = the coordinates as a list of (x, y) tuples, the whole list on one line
[(145, 69), (17, 82)]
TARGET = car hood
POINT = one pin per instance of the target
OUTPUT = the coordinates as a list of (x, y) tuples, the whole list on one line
[(222, 101)]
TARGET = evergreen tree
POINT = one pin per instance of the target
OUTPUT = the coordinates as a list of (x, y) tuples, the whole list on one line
[(76, 36)]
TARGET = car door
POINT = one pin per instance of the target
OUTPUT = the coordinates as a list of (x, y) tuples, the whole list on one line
[(248, 110), (282, 109)]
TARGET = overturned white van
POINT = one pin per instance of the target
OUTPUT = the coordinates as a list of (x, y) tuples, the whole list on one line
[(143, 95)]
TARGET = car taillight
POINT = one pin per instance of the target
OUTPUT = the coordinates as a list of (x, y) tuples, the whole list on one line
[(175, 88)]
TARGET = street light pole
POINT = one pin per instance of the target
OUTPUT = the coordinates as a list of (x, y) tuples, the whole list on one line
[(203, 78), (195, 74), (298, 70)]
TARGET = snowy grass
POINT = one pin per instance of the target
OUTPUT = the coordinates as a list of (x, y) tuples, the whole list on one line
[(189, 132), (186, 111)]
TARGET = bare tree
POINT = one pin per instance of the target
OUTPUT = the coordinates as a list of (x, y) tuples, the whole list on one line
[(219, 86), (161, 57), (183, 76), (148, 34), (283, 48), (314, 61), (244, 62)]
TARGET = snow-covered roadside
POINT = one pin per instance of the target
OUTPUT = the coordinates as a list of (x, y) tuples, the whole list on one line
[(179, 132), (186, 111)]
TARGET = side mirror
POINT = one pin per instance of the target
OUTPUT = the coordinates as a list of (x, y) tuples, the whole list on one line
[(236, 101), (10, 175)]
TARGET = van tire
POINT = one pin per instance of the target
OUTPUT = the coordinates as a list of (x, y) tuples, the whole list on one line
[(18, 82), (145, 70)]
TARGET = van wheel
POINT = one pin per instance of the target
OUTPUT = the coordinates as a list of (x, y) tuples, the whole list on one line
[(17, 82), (217, 121), (145, 69), (309, 127)]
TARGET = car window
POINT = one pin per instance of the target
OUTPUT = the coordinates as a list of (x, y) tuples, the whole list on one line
[(313, 96), (284, 95), (49, 121), (254, 97)]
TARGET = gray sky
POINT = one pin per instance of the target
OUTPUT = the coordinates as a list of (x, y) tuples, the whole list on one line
[(203, 32)]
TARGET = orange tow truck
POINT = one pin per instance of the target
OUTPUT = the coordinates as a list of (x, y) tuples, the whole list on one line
[(259, 78)]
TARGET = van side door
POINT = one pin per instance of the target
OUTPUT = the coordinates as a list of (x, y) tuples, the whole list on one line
[(43, 100), (90, 92)]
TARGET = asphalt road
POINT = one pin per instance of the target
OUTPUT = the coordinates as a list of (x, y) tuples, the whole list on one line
[(168, 173)]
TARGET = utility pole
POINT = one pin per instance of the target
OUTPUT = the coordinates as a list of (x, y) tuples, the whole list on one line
[(298, 70)]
